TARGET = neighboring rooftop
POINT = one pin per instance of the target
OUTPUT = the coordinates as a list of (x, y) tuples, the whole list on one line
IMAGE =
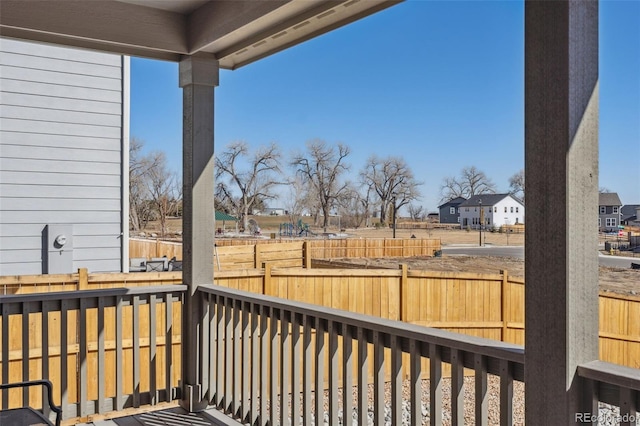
[(609, 199), (487, 200), (453, 202)]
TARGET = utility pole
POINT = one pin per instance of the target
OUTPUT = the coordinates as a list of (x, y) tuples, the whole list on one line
[(394, 217), (481, 222)]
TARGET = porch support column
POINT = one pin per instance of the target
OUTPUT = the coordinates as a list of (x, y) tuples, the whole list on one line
[(198, 78), (561, 174)]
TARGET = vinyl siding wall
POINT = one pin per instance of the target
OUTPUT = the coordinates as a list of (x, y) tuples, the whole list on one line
[(61, 152)]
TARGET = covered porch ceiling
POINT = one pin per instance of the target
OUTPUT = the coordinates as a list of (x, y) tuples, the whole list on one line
[(235, 32)]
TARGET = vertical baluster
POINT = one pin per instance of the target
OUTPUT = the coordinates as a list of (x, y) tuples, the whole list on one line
[(482, 398), (64, 358), (246, 361), (306, 366), (228, 358), (237, 360), (435, 385), (119, 402), (273, 371), (285, 367), (204, 339), (45, 354), (220, 350), (416, 382), (347, 374), (378, 378), (101, 358), (5, 354), (627, 407), (396, 381), (136, 351), (295, 369), (25, 351), (320, 356), (168, 347), (363, 373), (264, 365), (457, 387), (153, 387), (506, 393), (333, 373), (255, 362), (213, 353)]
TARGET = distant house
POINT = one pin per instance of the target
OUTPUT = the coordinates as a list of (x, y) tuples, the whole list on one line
[(609, 211), (630, 214), (274, 211), (449, 211), (498, 210), (63, 140)]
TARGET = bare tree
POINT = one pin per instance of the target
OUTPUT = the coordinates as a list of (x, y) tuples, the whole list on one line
[(322, 168), (470, 182), (141, 167), (163, 189), (416, 212), (253, 176), (516, 184), (393, 182)]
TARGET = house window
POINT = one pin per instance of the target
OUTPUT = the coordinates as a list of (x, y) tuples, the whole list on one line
[(466, 209), (488, 221), (516, 209), (505, 209), (603, 210), (611, 222), (458, 219), (615, 209), (452, 210), (599, 223), (495, 210), (511, 209)]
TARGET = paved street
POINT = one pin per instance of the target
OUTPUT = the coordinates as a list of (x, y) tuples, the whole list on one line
[(518, 252)]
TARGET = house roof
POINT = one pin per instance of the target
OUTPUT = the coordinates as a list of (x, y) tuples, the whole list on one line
[(609, 199), (235, 33), (487, 200), (453, 202), (223, 216), (629, 209)]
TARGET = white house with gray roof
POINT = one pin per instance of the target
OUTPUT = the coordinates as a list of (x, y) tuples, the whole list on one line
[(63, 159), (498, 210)]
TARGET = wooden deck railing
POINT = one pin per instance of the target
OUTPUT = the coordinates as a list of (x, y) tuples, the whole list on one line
[(289, 353), (266, 360), (103, 350)]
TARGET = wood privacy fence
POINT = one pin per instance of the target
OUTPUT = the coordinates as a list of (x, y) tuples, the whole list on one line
[(483, 305), (230, 254)]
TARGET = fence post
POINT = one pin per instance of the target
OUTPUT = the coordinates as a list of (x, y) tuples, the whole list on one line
[(403, 293), (157, 247), (267, 288), (83, 279), (306, 255), (257, 261), (504, 301)]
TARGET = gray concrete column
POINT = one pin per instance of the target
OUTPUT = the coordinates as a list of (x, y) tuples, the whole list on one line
[(561, 174), (198, 78)]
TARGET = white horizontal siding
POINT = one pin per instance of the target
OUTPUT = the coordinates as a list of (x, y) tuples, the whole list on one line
[(60, 178), (58, 166), (60, 116), (58, 141), (61, 124), (59, 78), (51, 51), (62, 104), (79, 229), (56, 191), (18, 60)]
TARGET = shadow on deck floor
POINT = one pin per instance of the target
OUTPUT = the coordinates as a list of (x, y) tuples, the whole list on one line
[(169, 417)]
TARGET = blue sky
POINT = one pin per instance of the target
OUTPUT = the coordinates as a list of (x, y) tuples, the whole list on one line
[(438, 83)]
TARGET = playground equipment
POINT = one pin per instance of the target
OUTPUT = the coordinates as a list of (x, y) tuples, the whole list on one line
[(301, 229)]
